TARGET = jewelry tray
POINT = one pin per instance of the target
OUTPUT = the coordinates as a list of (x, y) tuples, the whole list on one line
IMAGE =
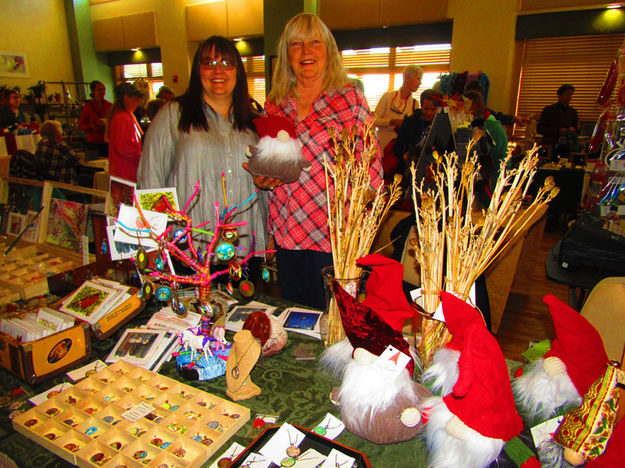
[(312, 440), (84, 424)]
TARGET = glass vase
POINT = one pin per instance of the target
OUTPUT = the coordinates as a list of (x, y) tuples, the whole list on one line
[(331, 327)]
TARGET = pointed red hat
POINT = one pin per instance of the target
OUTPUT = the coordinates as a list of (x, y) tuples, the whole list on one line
[(458, 315), (270, 125), (482, 396), (385, 293), (366, 329), (577, 344)]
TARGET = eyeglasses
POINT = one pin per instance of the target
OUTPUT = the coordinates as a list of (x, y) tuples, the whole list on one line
[(211, 64)]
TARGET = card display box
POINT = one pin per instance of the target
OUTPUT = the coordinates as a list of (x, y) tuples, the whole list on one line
[(36, 361), (312, 440), (84, 424), (26, 268)]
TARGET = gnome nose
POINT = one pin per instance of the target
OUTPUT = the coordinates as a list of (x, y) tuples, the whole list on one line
[(283, 136)]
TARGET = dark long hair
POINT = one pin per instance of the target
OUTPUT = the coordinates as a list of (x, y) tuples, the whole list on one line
[(191, 102)]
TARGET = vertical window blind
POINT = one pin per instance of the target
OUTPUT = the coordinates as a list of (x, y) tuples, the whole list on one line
[(582, 61)]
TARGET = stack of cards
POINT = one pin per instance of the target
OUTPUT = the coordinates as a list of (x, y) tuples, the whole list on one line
[(94, 299), (236, 318), (144, 347), (166, 319), (33, 327)]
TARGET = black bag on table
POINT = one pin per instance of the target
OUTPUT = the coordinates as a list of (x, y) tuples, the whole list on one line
[(588, 244)]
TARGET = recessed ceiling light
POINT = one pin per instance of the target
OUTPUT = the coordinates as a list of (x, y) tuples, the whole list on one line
[(614, 5), (136, 49), (237, 39)]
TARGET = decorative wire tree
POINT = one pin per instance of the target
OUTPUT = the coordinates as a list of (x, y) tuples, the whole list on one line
[(199, 260)]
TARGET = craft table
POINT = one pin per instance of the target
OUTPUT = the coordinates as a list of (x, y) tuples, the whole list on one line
[(298, 391)]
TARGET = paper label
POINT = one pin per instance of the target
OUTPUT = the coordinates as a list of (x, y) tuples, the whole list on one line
[(544, 431), (286, 436), (392, 360), (336, 458), (137, 412)]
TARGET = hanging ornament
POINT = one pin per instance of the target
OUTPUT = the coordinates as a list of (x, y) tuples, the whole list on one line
[(159, 263), (178, 307), (182, 242), (163, 293), (141, 259), (246, 288), (148, 290), (230, 288), (264, 273), (224, 251), (230, 234), (235, 270)]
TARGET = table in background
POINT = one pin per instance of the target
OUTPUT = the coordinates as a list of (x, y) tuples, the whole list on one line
[(298, 391)]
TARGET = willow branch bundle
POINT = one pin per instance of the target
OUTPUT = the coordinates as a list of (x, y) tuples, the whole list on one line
[(456, 244), (355, 208)]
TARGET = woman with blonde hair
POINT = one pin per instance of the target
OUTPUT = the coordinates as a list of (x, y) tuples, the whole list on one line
[(310, 87)]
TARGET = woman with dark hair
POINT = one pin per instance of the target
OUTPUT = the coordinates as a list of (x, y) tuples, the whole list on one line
[(10, 113), (204, 133), (93, 118)]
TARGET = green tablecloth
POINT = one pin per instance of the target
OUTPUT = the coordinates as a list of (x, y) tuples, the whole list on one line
[(298, 391)]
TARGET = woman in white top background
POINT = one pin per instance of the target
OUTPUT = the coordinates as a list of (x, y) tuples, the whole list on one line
[(395, 105)]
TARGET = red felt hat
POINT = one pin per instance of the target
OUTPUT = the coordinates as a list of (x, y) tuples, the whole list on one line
[(577, 344), (385, 293), (270, 125), (482, 396), (366, 329), (458, 315)]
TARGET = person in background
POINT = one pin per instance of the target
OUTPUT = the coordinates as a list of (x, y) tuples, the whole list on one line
[(10, 114), (93, 118), (54, 158), (310, 87), (505, 119), (124, 133), (153, 107), (165, 93), (413, 132), (558, 122), (492, 143), (395, 105), (204, 133)]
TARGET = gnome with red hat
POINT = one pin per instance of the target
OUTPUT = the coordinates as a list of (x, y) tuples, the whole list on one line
[(278, 153), (558, 381), (378, 402), (469, 425)]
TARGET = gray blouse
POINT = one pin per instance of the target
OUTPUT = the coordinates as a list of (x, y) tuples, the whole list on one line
[(172, 158)]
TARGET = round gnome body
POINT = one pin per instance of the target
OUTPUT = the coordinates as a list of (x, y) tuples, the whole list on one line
[(278, 153), (376, 406)]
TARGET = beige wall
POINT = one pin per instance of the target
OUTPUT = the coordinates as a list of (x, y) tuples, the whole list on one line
[(483, 39), (37, 28)]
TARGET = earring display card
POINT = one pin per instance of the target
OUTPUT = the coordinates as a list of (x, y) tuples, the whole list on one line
[(274, 442), (85, 424)]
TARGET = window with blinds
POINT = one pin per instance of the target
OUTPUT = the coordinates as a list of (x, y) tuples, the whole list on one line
[(380, 69), (582, 61)]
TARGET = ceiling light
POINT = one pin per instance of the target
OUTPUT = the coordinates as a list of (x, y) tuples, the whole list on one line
[(614, 5)]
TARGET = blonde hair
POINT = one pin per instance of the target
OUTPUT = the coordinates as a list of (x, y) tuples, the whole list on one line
[(412, 70), (305, 26), (51, 129)]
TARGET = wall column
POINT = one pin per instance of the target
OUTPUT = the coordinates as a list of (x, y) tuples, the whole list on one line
[(276, 13), (483, 39), (171, 24)]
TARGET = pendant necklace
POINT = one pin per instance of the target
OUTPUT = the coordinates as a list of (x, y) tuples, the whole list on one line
[(225, 462), (336, 462), (292, 452), (235, 370), (323, 430)]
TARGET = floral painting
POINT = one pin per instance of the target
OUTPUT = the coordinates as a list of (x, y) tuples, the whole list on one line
[(13, 64), (67, 223)]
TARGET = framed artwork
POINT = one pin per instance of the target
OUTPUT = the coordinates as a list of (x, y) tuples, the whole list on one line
[(137, 346), (16, 224), (152, 199), (236, 318), (13, 64), (131, 228), (121, 193), (301, 319), (67, 223)]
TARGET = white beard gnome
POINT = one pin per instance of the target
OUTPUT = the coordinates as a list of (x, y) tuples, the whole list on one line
[(577, 358), (278, 153), (469, 426)]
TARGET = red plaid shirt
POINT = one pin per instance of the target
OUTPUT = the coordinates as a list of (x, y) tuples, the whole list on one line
[(298, 215)]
